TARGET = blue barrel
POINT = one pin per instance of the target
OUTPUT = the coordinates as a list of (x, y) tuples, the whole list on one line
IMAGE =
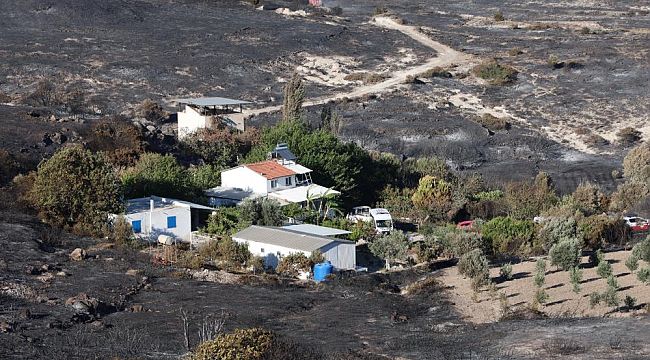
[(322, 270)]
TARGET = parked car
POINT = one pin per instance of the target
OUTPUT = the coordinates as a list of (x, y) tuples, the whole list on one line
[(637, 224), (465, 225), (379, 217)]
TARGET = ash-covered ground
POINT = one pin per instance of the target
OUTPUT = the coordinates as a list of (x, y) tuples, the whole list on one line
[(564, 117)]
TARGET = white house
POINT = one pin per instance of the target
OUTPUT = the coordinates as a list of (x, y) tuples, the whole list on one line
[(153, 216), (279, 178), (274, 243), (209, 113)]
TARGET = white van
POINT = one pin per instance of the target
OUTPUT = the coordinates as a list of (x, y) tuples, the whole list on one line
[(379, 217)]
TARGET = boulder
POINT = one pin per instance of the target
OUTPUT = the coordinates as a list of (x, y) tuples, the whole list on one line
[(137, 308), (83, 303), (78, 254), (6, 327)]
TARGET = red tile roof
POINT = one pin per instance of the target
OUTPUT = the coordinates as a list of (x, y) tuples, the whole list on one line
[(270, 169)]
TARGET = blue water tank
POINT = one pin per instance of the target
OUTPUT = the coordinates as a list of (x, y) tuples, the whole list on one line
[(322, 270)]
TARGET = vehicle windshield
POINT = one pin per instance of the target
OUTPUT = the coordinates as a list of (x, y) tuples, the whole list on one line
[(384, 223)]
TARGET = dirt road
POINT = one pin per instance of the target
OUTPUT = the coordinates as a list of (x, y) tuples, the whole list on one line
[(445, 56)]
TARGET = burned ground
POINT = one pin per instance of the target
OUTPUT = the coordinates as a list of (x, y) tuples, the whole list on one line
[(138, 312), (582, 71)]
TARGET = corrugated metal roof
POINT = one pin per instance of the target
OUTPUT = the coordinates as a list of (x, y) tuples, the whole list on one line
[(302, 193), (316, 230), (211, 101), (286, 238), (270, 169)]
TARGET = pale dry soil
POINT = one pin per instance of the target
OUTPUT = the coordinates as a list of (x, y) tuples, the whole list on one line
[(563, 301)]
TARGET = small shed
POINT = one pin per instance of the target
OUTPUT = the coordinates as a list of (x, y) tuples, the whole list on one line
[(209, 113), (274, 243)]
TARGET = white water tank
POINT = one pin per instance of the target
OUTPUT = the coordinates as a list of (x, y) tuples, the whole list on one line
[(165, 240)]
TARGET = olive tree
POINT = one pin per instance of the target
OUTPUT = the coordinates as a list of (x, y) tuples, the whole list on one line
[(391, 247), (77, 189)]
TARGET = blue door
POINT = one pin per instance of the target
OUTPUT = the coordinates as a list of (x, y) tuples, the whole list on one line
[(137, 226)]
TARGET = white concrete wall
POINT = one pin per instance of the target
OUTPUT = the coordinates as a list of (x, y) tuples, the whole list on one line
[(182, 231), (245, 178), (189, 121), (342, 256), (270, 252), (281, 184)]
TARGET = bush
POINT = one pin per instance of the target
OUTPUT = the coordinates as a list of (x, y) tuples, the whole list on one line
[(9, 167), (506, 271), (558, 229), (527, 199), (121, 232), (604, 269), (642, 250), (391, 247), (221, 147), (498, 16), (76, 188), (628, 136), (117, 138), (636, 165), (495, 73), (151, 111), (594, 299), (261, 211), (232, 253), (433, 196), (493, 123), (632, 263), (644, 275), (575, 277), (463, 242), (436, 72), (293, 264), (541, 297), (474, 265), (241, 344), (540, 273), (159, 175), (225, 221), (629, 302), (566, 254), (628, 195), (507, 235), (590, 199), (600, 230), (610, 297)]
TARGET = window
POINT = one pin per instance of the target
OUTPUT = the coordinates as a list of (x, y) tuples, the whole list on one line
[(137, 226), (171, 222), (287, 181), (274, 184)]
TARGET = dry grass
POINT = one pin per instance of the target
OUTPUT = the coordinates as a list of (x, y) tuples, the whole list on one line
[(495, 73), (366, 77), (493, 123)]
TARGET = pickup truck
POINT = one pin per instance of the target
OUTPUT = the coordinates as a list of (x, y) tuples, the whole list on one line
[(637, 224)]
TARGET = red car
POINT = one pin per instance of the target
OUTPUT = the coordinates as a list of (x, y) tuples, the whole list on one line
[(637, 224), (465, 225)]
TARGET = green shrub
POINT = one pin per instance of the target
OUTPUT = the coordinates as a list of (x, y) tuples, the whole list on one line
[(558, 229), (241, 344), (160, 175), (575, 277), (612, 282), (541, 297), (463, 242), (540, 273), (604, 269), (391, 247), (474, 265), (225, 221), (610, 297), (566, 254), (495, 73), (599, 230), (642, 250), (644, 275), (498, 16), (234, 254), (632, 263), (76, 189), (507, 235), (629, 302), (506, 271), (261, 211), (594, 299), (527, 199)]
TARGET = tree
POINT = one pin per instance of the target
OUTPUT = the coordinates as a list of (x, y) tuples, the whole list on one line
[(575, 277), (151, 111), (509, 236), (528, 199), (433, 196), (474, 265), (160, 175), (391, 247), (557, 229), (222, 147), (294, 94), (205, 176), (566, 254), (262, 211), (590, 199), (225, 221), (602, 229), (636, 165), (77, 189)]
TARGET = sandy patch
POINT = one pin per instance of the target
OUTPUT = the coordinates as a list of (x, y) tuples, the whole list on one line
[(327, 71), (563, 301)]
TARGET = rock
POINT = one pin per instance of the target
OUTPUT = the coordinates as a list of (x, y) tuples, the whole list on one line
[(137, 308), (6, 327), (83, 303), (78, 254), (59, 138), (47, 277), (25, 314), (132, 272), (151, 128), (52, 118), (34, 113), (62, 273), (57, 324)]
